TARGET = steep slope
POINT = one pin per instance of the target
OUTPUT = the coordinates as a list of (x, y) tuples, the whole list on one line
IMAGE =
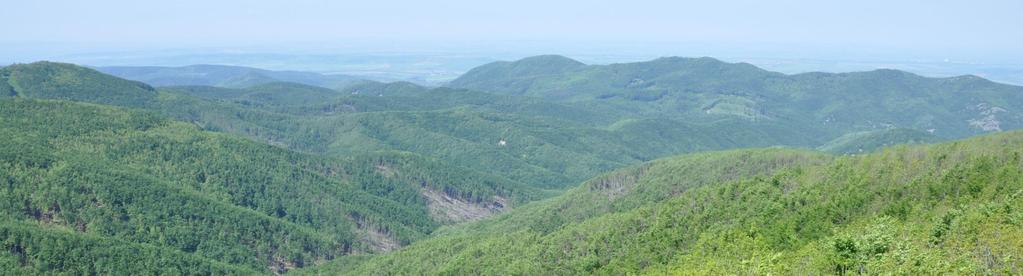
[(867, 141), (222, 76), (948, 208), (92, 184), (706, 89)]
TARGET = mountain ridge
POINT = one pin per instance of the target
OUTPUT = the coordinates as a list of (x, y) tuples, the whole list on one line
[(228, 76), (705, 89)]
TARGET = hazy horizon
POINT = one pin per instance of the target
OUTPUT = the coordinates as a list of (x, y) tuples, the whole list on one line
[(977, 30), (442, 39)]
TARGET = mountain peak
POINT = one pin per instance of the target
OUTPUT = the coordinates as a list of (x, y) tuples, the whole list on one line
[(55, 80), (542, 65), (551, 60), (703, 62), (524, 68)]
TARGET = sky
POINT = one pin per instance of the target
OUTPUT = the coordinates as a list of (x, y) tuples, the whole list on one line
[(981, 29)]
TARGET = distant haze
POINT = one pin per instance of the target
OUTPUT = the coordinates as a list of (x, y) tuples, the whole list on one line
[(780, 34), (933, 26)]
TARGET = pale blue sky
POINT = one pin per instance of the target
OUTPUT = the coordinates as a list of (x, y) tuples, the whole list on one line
[(981, 28)]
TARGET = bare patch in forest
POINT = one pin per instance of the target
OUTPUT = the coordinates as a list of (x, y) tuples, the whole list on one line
[(446, 208), (279, 265), (385, 170), (617, 184), (377, 239)]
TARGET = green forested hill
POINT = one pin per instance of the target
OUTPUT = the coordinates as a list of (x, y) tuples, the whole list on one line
[(49, 80), (706, 89), (273, 94), (546, 144), (948, 208), (89, 188), (277, 175), (305, 119)]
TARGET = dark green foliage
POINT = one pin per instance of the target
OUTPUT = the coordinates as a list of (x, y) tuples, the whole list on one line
[(6, 90), (516, 77), (35, 249), (403, 96), (48, 80), (138, 178)]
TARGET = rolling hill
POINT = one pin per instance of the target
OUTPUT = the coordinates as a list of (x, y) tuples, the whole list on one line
[(947, 208), (547, 145), (49, 80), (92, 184), (706, 89), (222, 76), (483, 177)]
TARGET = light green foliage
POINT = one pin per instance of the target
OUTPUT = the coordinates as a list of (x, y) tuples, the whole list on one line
[(948, 208)]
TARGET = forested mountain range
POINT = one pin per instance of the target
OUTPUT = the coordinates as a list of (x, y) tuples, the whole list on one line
[(483, 176), (706, 89), (546, 144), (599, 135)]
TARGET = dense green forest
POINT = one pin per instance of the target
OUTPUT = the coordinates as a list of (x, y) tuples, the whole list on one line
[(687, 166), (547, 145), (706, 89), (951, 208), (140, 182), (535, 141)]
